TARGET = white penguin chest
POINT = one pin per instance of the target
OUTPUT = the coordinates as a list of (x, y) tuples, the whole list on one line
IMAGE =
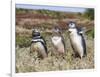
[(56, 40), (75, 38), (37, 46), (76, 41)]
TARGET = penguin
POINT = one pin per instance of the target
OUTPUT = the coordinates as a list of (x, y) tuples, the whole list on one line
[(77, 40), (38, 44), (58, 41)]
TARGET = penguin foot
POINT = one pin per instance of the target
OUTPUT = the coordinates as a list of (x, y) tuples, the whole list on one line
[(76, 55)]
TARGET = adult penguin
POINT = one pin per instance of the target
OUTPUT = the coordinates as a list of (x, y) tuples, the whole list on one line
[(77, 40), (38, 44)]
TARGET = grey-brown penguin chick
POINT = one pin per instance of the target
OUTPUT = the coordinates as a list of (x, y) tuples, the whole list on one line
[(58, 41)]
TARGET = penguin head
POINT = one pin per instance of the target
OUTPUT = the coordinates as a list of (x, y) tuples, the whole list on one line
[(72, 24), (35, 33), (72, 27), (56, 29)]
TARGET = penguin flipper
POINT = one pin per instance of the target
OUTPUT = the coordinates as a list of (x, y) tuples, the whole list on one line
[(63, 42), (44, 44), (84, 46)]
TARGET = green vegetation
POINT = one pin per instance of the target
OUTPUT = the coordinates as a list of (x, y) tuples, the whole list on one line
[(23, 41), (20, 10), (90, 33), (89, 14)]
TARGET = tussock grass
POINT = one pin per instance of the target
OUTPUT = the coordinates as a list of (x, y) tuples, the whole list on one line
[(26, 62), (26, 21)]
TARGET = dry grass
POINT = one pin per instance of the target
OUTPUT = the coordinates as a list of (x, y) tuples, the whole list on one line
[(26, 62)]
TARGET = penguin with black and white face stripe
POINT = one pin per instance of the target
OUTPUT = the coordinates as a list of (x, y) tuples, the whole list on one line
[(77, 40), (58, 41), (38, 44)]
